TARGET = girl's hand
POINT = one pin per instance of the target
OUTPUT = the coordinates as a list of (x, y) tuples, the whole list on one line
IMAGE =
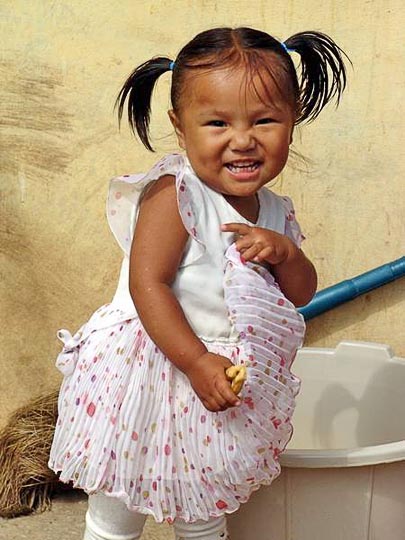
[(261, 245), (294, 273), (207, 377)]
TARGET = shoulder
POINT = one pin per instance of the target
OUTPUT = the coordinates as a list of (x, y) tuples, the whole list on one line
[(164, 184), (271, 197), (274, 202), (126, 192), (160, 196), (291, 226), (172, 165), (278, 214)]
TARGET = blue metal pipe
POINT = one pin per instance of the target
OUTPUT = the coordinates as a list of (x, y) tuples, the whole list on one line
[(351, 288)]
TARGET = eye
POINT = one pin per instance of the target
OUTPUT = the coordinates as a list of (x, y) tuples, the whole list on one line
[(264, 121), (216, 123)]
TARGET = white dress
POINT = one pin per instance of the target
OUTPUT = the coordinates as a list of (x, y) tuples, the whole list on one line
[(129, 423)]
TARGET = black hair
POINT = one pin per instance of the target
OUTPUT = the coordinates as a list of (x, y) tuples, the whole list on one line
[(321, 75)]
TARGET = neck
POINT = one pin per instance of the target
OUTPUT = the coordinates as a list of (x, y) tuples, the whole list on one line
[(248, 207)]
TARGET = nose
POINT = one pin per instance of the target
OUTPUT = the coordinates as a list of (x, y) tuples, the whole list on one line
[(242, 140)]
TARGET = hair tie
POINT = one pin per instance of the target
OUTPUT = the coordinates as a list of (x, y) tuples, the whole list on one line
[(171, 65), (287, 50)]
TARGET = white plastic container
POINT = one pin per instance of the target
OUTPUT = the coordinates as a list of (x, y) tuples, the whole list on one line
[(343, 474)]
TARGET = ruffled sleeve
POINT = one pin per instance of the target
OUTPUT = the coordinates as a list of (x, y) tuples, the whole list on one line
[(292, 228), (126, 192)]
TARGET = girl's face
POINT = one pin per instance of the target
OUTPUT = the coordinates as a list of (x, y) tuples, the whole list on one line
[(236, 139)]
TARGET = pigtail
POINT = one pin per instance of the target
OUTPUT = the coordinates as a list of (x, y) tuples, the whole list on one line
[(323, 72), (138, 88)]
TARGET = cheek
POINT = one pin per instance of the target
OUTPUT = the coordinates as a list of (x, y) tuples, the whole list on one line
[(279, 152), (207, 147), (285, 140), (278, 145)]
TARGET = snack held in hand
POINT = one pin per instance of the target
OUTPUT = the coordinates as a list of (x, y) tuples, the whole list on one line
[(237, 376)]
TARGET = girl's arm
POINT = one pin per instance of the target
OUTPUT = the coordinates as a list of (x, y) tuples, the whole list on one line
[(296, 276), (156, 252), (292, 270)]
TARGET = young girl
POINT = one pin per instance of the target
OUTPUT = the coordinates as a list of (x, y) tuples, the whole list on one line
[(150, 418)]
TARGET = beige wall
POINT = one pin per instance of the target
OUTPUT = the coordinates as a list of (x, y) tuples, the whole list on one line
[(61, 69)]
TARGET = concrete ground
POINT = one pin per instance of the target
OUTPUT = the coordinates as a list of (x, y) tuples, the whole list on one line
[(65, 521)]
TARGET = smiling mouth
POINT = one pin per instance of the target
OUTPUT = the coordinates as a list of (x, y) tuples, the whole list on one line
[(243, 167)]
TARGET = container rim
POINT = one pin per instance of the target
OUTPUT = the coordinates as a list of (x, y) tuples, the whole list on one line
[(345, 457)]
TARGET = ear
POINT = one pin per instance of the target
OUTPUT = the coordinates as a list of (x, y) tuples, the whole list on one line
[(175, 120)]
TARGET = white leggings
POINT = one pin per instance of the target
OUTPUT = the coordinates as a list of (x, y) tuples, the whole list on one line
[(109, 519)]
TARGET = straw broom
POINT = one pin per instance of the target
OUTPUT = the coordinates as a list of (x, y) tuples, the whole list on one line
[(26, 482)]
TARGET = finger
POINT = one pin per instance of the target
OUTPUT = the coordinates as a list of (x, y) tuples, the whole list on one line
[(219, 399), (238, 228), (243, 243), (252, 252), (226, 392), (214, 401), (211, 405), (216, 407), (267, 254)]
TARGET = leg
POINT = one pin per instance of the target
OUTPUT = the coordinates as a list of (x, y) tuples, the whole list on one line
[(109, 519), (214, 529)]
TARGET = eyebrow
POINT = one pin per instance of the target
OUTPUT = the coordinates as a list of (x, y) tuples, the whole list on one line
[(265, 109), (259, 110), (213, 112)]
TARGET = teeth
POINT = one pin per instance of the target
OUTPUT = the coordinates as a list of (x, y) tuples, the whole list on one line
[(249, 167)]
